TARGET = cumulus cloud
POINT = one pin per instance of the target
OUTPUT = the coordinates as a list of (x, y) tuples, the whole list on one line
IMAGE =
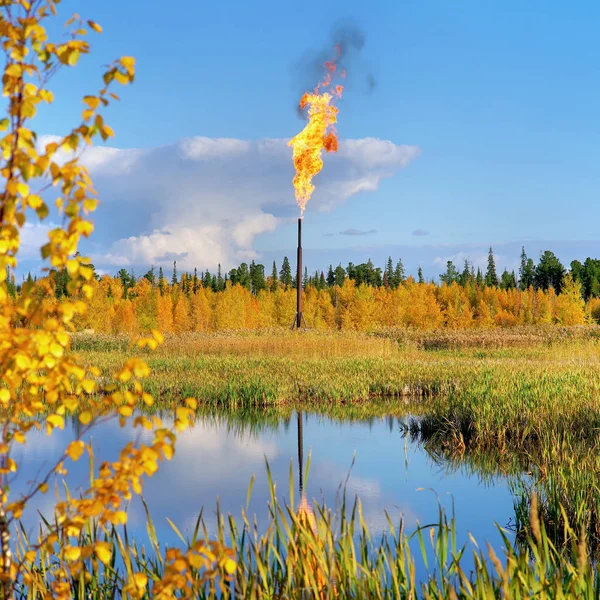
[(478, 258), (420, 232), (203, 201), (357, 232), (33, 236), (172, 256)]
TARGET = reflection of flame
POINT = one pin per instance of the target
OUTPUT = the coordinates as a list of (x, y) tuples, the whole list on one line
[(318, 134), (306, 515)]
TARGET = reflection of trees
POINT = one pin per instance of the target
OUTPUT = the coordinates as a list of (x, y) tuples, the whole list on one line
[(564, 475)]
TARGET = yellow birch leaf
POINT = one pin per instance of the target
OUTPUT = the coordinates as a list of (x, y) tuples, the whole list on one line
[(140, 580), (56, 421), (103, 552), (125, 411), (97, 28), (75, 450), (230, 566), (72, 553), (85, 417), (88, 385)]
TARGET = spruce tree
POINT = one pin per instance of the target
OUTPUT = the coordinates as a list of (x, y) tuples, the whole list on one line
[(330, 277), (399, 273), (286, 273), (465, 276), (274, 278), (340, 275), (526, 271), (491, 277), (389, 272), (351, 271), (257, 278), (195, 281), (174, 277), (305, 278), (549, 272), (420, 275), (322, 282), (479, 278), (149, 275), (591, 278), (220, 280), (370, 276), (315, 280), (125, 278), (243, 276), (161, 281), (522, 269), (508, 280), (451, 274)]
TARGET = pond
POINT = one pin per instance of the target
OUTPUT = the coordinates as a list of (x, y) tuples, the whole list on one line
[(217, 457)]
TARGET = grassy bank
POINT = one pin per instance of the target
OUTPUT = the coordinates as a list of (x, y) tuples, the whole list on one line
[(478, 388), (525, 399)]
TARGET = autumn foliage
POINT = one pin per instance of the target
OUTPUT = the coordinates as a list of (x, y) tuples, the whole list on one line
[(181, 308), (42, 381)]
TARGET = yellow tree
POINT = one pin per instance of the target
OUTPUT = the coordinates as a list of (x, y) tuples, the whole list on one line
[(570, 306), (201, 311), (41, 380), (164, 313), (99, 310), (144, 297), (181, 315)]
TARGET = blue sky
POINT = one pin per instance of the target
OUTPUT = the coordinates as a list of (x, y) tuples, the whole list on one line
[(495, 104)]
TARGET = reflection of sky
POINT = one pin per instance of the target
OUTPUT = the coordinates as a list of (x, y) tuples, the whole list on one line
[(213, 463)]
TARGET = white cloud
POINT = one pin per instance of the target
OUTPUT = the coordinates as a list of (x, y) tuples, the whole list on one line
[(33, 236), (479, 259), (207, 200)]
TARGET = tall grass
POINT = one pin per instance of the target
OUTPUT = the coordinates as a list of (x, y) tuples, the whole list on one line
[(335, 556), (263, 369)]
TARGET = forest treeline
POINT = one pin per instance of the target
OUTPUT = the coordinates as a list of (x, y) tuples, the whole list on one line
[(358, 297)]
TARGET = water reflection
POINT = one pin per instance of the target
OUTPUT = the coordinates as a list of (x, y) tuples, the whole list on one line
[(216, 458)]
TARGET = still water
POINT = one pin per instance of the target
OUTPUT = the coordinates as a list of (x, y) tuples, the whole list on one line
[(216, 458)]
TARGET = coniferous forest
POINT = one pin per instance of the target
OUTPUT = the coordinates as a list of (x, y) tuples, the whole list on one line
[(359, 297)]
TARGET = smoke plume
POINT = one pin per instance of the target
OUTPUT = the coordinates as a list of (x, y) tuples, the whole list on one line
[(351, 40)]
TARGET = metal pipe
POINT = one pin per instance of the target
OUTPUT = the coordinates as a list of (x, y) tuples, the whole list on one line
[(299, 278)]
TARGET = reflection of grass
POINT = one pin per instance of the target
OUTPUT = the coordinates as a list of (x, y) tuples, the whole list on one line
[(564, 476), (332, 556)]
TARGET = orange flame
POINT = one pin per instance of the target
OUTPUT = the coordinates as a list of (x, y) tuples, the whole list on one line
[(318, 134)]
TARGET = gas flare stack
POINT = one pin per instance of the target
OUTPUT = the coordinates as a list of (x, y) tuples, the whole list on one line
[(299, 318)]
